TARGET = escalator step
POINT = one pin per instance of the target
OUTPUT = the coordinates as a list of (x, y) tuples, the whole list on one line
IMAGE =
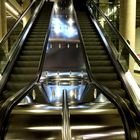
[(96, 52), (27, 47), (111, 84), (25, 70), (38, 32), (105, 76), (21, 77), (120, 92), (87, 39), (98, 57), (101, 69), (41, 36), (37, 43), (15, 86), (33, 39), (29, 58), (94, 48), (27, 63), (100, 63), (31, 52), (93, 43)]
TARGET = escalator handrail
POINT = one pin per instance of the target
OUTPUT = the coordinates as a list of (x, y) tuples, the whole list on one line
[(5, 38), (124, 111), (128, 121), (9, 104), (126, 44)]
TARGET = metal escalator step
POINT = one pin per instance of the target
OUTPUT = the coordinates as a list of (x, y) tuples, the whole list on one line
[(93, 48), (7, 93), (15, 85), (31, 52), (41, 26), (96, 52), (37, 36), (111, 84), (87, 39), (33, 39), (28, 47), (29, 58), (100, 69), (98, 57), (96, 43), (105, 76), (25, 70), (27, 63), (22, 77), (94, 35), (100, 63), (120, 92), (36, 43), (37, 33)]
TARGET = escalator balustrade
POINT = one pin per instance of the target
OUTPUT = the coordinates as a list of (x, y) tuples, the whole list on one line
[(26, 65)]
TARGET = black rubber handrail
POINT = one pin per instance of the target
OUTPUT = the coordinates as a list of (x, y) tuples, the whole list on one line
[(5, 38), (126, 44), (124, 111)]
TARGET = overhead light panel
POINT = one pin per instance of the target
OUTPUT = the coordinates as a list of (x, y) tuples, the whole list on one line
[(11, 9)]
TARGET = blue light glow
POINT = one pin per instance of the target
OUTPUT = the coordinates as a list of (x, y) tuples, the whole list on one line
[(63, 28)]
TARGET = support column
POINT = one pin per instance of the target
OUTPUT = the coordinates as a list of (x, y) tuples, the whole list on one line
[(26, 3), (3, 26), (3, 20), (128, 24)]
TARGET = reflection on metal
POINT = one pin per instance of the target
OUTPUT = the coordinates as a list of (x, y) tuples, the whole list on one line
[(66, 131)]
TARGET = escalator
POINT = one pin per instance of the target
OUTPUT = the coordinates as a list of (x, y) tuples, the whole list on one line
[(102, 66), (99, 59), (69, 117), (26, 65)]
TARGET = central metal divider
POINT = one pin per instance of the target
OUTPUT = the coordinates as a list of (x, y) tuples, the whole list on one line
[(66, 130)]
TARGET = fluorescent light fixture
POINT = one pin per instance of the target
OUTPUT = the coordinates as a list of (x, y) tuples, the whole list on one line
[(11, 9)]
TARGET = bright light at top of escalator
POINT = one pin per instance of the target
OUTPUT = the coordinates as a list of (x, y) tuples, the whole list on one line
[(70, 21), (63, 28)]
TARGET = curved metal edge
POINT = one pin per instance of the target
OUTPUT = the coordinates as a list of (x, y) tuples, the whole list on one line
[(126, 44), (18, 47), (127, 118), (4, 39), (9, 104)]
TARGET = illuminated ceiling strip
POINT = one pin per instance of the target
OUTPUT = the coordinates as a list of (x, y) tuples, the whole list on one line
[(11, 9)]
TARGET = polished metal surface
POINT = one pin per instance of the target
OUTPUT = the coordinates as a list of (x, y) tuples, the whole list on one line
[(66, 130), (95, 121)]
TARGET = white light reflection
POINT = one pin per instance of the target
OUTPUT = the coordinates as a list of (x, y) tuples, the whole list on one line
[(70, 21), (100, 135), (71, 7), (11, 9), (133, 85), (80, 127)]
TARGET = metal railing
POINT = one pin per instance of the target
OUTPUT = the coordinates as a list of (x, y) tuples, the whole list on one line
[(66, 131)]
